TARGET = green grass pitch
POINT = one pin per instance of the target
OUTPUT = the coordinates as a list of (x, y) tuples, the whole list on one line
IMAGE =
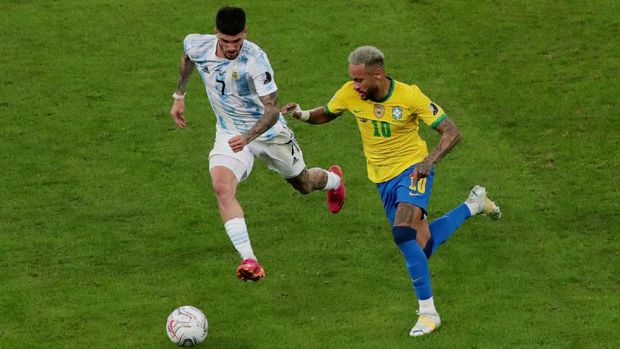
[(108, 221)]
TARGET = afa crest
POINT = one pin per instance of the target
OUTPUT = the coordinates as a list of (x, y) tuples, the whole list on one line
[(397, 113), (379, 110), (235, 75)]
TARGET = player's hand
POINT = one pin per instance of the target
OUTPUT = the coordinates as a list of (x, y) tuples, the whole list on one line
[(178, 108), (237, 143), (291, 110), (422, 169)]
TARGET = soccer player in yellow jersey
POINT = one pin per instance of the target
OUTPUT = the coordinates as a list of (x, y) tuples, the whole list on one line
[(388, 114)]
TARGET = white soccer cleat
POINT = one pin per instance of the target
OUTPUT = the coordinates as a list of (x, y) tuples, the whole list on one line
[(427, 323), (479, 203)]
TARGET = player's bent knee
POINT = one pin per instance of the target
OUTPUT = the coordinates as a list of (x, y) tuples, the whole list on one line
[(403, 234), (223, 191)]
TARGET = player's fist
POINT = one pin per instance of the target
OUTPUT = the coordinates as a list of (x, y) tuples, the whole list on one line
[(237, 143), (422, 169), (292, 110)]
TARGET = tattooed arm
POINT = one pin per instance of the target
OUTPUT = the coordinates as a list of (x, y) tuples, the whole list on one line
[(178, 107), (185, 70), (450, 136), (270, 117)]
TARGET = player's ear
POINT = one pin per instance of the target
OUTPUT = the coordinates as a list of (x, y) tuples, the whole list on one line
[(378, 73)]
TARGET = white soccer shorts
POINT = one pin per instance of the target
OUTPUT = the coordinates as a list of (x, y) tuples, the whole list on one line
[(281, 154)]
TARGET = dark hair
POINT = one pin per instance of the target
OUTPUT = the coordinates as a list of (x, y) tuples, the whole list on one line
[(230, 20)]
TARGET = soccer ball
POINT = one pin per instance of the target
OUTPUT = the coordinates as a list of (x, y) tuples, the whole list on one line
[(187, 326)]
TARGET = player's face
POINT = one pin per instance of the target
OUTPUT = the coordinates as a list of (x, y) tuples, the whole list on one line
[(230, 45), (365, 80)]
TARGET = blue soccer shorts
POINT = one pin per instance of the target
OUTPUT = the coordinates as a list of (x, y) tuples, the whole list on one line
[(401, 189)]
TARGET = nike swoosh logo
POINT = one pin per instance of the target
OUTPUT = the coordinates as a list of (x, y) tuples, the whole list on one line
[(357, 111), (414, 194)]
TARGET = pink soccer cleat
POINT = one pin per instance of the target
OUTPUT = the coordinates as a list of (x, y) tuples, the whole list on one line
[(336, 197), (250, 269)]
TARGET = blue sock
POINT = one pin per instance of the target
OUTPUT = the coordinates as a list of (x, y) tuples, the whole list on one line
[(443, 227), (417, 263)]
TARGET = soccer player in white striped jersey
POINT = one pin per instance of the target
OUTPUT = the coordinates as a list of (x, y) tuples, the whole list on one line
[(242, 91)]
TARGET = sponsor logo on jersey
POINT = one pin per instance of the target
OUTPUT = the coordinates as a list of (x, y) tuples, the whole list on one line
[(363, 119), (434, 108), (397, 113), (379, 110), (206, 69)]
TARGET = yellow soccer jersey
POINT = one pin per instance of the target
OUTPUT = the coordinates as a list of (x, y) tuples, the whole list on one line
[(389, 128)]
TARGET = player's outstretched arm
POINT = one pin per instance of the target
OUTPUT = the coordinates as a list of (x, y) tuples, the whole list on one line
[(313, 116), (450, 137), (178, 106)]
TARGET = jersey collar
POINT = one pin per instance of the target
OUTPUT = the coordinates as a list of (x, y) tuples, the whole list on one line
[(390, 92)]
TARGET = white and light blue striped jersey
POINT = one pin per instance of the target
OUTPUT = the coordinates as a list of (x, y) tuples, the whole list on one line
[(234, 86)]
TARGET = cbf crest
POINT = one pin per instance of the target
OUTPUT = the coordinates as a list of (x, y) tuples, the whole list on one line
[(397, 113), (379, 110)]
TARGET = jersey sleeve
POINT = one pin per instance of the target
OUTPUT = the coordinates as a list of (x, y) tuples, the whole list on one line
[(426, 110), (336, 106), (189, 46), (261, 73)]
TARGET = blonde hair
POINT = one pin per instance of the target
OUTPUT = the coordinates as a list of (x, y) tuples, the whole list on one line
[(370, 56)]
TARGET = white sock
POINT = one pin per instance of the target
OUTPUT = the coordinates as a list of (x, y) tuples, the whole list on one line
[(238, 233), (473, 208), (333, 180), (427, 306)]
